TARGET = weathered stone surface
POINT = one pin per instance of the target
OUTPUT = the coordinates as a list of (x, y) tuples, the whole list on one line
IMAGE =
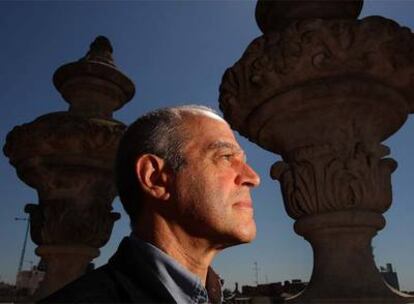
[(320, 53), (68, 157), (319, 179), (68, 134), (93, 86), (324, 90), (64, 264), (344, 269), (272, 15)]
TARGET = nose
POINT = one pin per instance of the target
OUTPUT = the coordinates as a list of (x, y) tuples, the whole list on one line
[(248, 177)]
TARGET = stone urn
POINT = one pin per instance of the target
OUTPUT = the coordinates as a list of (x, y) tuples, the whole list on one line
[(68, 157), (324, 90)]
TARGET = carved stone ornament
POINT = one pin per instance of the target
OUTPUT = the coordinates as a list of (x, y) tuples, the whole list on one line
[(63, 222), (93, 85), (65, 134), (275, 15), (312, 51), (323, 90), (69, 157), (59, 148), (69, 160), (100, 51), (319, 179)]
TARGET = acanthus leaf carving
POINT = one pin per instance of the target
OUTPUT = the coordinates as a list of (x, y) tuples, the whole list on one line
[(63, 222), (322, 179)]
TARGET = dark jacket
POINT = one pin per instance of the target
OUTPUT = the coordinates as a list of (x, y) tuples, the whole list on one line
[(125, 278)]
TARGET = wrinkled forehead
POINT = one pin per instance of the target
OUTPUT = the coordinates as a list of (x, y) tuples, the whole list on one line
[(207, 130)]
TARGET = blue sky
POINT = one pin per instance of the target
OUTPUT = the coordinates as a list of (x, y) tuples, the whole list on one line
[(175, 52)]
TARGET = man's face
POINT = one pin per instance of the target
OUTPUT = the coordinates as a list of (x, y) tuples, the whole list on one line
[(213, 187)]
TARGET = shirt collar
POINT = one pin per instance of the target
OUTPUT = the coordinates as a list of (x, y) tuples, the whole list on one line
[(184, 286)]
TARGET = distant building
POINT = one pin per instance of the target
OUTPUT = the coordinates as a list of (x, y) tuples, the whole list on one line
[(390, 276), (29, 280), (7, 292), (266, 293)]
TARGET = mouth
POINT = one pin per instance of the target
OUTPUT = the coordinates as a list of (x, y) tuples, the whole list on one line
[(243, 205)]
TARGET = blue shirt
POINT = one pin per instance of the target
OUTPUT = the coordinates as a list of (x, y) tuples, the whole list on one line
[(183, 285)]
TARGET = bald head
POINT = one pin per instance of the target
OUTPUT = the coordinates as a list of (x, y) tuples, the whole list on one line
[(162, 133)]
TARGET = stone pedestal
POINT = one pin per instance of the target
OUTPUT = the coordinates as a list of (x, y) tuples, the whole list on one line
[(65, 263), (68, 157), (344, 269), (323, 90)]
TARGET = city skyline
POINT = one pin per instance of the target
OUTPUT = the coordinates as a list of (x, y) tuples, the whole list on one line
[(175, 52)]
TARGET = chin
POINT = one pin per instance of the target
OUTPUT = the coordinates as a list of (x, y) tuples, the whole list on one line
[(248, 236), (245, 234)]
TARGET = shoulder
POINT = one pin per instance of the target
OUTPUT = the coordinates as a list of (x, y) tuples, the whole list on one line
[(103, 285), (96, 286), (127, 277)]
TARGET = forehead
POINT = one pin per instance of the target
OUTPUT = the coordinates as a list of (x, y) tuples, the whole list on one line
[(209, 132)]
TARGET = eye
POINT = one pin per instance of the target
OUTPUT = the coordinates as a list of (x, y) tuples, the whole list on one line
[(227, 156)]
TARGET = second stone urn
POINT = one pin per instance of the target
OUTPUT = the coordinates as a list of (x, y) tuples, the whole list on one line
[(324, 90), (68, 157)]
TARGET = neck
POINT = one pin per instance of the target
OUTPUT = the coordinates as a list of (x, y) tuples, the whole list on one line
[(195, 254)]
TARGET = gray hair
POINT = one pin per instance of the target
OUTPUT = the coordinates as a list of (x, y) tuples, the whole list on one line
[(160, 133)]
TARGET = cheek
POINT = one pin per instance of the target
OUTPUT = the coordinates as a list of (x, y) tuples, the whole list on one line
[(223, 182), (198, 198)]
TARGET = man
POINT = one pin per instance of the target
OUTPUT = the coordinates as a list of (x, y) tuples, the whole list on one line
[(185, 184)]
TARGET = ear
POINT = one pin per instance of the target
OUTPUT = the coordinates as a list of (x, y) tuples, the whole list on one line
[(154, 176)]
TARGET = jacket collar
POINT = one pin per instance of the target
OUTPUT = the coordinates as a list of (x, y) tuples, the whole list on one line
[(213, 286), (135, 264)]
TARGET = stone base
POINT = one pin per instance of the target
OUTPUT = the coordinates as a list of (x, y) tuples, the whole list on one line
[(344, 268), (64, 263), (402, 299)]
